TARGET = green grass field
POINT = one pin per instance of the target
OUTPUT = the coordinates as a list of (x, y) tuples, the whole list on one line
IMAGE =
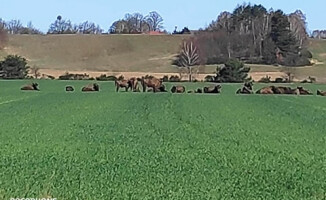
[(111, 145)]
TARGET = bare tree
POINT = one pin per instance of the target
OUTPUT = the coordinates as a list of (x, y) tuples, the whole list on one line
[(89, 28), (188, 57), (298, 26), (14, 27), (132, 23), (3, 34), (155, 21), (35, 71), (61, 26)]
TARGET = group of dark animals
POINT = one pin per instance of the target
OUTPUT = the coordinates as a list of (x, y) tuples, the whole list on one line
[(155, 85)]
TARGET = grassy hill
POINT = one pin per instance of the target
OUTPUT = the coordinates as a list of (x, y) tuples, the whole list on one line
[(128, 53)]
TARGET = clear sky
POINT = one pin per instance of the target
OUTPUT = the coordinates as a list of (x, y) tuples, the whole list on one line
[(181, 13)]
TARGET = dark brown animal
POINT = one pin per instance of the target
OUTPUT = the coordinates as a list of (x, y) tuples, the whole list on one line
[(178, 89), (152, 82), (122, 84), (91, 88), (213, 89), (133, 84), (303, 91), (69, 88), (321, 93), (33, 86), (285, 90), (266, 90), (246, 89)]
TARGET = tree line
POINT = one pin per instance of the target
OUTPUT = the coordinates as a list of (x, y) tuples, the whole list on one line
[(130, 24), (253, 34)]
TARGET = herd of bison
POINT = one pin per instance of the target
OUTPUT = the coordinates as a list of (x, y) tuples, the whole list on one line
[(156, 85)]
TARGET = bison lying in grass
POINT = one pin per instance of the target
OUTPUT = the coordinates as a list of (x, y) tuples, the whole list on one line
[(246, 89), (283, 90), (69, 88), (91, 88), (178, 89), (33, 86), (321, 93), (213, 89)]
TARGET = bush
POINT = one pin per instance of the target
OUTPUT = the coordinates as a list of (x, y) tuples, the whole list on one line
[(233, 71), (279, 80), (104, 77), (68, 76), (174, 79), (209, 78), (309, 80), (266, 79), (14, 67), (165, 78)]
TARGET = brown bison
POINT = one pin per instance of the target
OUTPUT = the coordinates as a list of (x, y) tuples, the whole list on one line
[(321, 93), (246, 89), (154, 83), (133, 83), (91, 88), (303, 91), (69, 88), (33, 86), (277, 90), (285, 90), (213, 89), (178, 89), (122, 84), (266, 90)]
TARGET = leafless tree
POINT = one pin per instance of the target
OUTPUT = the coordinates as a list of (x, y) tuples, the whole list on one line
[(89, 28), (14, 27), (189, 57), (298, 26), (155, 21), (3, 34), (35, 71)]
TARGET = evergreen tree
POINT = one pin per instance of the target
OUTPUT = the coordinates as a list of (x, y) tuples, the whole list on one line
[(232, 71), (14, 67)]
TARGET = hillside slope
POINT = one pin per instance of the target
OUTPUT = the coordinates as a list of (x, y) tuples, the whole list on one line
[(56, 54), (97, 53)]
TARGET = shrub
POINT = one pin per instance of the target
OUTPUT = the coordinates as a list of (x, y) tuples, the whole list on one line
[(174, 79), (165, 78), (309, 80), (104, 77), (209, 78), (279, 80), (68, 76), (266, 79), (14, 67), (233, 71)]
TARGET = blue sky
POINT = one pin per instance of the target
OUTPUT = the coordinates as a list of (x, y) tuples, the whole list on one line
[(181, 13)]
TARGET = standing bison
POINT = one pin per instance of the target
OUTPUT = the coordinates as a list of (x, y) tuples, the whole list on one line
[(91, 88), (122, 84), (178, 89), (33, 86), (154, 83)]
